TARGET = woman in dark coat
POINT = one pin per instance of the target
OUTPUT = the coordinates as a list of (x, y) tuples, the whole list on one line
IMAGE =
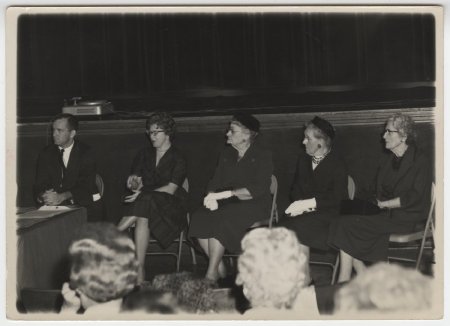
[(402, 193), (238, 194), (158, 202), (320, 184)]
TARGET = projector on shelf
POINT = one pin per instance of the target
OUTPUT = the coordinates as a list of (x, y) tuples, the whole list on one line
[(89, 108)]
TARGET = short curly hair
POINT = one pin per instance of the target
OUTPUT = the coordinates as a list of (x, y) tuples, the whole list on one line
[(272, 267), (385, 287), (194, 295), (164, 121), (104, 265), (405, 125)]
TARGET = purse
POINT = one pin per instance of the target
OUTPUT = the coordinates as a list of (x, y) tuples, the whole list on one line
[(358, 207)]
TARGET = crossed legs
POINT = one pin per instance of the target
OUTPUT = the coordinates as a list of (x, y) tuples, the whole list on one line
[(141, 238), (347, 263), (214, 250)]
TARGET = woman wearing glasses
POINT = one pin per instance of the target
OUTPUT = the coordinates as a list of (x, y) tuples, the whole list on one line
[(158, 201), (402, 196), (238, 195)]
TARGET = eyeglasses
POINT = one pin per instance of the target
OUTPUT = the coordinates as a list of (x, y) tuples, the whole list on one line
[(154, 132), (390, 131)]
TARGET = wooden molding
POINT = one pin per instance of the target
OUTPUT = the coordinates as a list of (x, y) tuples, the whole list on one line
[(219, 123)]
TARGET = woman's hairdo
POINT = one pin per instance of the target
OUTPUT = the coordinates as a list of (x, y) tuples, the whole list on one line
[(385, 287), (322, 129), (104, 264), (164, 121), (247, 120), (272, 267), (405, 126)]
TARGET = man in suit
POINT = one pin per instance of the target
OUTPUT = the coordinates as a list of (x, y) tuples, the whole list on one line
[(66, 171)]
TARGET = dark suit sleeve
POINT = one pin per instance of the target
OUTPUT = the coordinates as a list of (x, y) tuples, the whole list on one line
[(83, 188), (260, 176), (338, 188)]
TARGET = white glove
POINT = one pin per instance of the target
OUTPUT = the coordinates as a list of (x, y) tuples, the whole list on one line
[(220, 195), (211, 204), (301, 206)]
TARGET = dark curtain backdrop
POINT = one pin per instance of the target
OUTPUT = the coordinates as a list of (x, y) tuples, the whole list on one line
[(210, 63)]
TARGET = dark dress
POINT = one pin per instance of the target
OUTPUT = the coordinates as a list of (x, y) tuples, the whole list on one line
[(166, 213), (78, 177), (327, 183), (366, 237), (230, 221)]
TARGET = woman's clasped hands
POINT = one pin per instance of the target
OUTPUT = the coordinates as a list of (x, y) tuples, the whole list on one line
[(301, 206), (210, 201), (134, 183)]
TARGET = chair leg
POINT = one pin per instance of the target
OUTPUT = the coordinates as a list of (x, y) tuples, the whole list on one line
[(180, 245), (419, 257), (194, 258), (335, 270), (231, 261)]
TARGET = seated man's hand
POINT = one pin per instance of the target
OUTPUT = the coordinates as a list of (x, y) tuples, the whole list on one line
[(52, 198)]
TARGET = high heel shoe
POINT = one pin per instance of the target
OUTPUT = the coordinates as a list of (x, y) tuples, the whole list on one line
[(126, 222)]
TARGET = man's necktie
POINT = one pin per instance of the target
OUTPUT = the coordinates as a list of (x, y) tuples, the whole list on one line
[(63, 167)]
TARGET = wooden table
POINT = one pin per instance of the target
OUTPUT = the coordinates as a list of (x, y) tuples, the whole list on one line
[(43, 239)]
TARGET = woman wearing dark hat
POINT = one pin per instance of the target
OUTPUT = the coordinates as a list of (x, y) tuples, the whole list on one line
[(320, 183), (238, 194)]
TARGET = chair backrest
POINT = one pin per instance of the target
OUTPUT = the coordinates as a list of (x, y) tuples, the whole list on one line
[(351, 188), (274, 193), (100, 185)]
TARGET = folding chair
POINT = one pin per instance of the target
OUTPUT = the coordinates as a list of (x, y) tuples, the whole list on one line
[(422, 235), (264, 223), (334, 266), (180, 241)]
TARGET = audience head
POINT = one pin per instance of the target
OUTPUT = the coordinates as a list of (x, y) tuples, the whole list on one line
[(402, 125), (161, 121), (319, 134), (150, 301), (64, 129), (385, 287), (272, 267), (193, 294), (243, 129), (104, 266)]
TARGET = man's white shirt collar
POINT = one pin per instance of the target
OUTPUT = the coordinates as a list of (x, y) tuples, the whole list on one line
[(66, 154)]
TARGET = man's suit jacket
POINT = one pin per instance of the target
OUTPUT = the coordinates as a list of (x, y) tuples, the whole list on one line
[(79, 176)]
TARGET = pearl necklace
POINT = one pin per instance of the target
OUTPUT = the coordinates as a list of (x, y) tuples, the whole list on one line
[(317, 160)]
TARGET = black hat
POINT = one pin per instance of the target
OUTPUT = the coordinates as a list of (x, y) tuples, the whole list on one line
[(324, 125), (247, 120)]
